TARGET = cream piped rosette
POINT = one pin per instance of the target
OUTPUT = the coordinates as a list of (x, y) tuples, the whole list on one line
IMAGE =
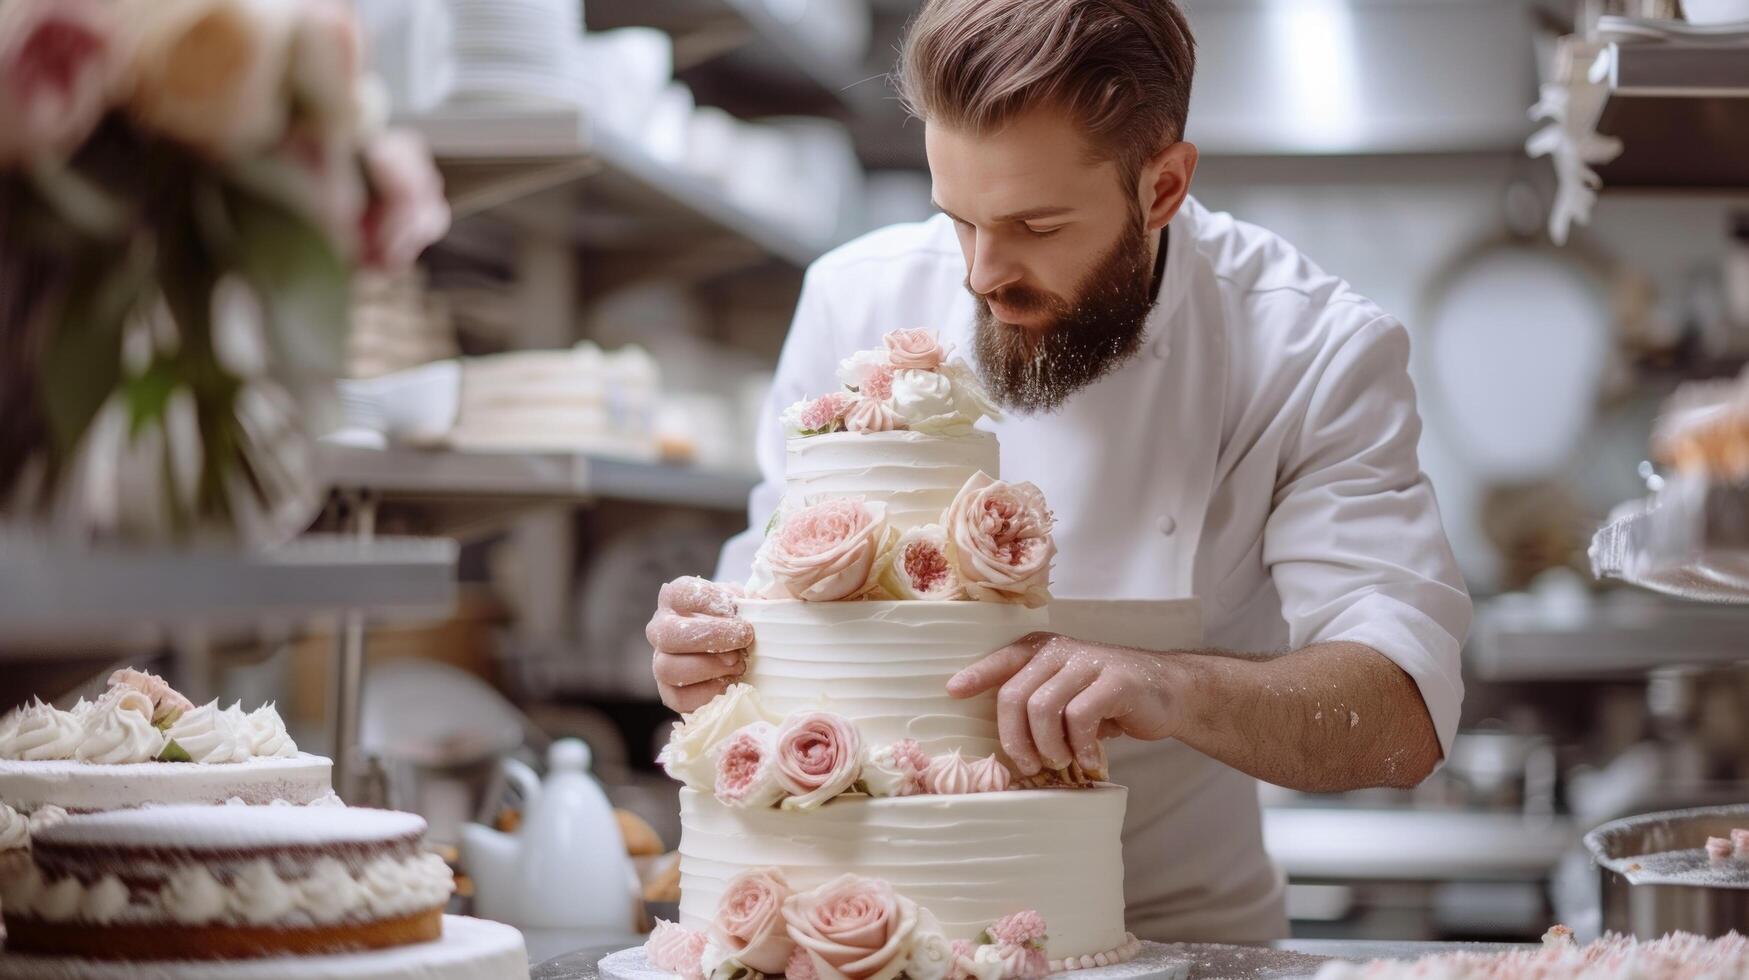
[(119, 730), (42, 733)]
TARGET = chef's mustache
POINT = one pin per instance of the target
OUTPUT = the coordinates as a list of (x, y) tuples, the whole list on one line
[(1022, 299)]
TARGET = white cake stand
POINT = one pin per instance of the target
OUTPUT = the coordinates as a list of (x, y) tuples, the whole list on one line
[(471, 949), (1154, 962)]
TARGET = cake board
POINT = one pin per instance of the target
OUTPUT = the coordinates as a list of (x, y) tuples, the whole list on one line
[(1156, 961), (471, 949)]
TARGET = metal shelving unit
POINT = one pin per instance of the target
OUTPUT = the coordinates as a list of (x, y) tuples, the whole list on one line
[(51, 593), (466, 490), (1622, 634), (507, 161), (747, 58)]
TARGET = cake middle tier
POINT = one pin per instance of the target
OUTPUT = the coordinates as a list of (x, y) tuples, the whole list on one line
[(915, 474), (969, 860), (884, 665)]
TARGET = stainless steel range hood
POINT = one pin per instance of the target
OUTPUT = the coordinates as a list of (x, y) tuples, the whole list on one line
[(1293, 77)]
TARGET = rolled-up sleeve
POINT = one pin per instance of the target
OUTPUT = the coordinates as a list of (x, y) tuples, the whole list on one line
[(1354, 541)]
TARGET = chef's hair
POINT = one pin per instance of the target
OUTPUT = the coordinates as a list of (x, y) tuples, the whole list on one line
[(1121, 68)]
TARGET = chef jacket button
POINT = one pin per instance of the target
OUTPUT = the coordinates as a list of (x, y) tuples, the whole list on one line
[(1167, 524)]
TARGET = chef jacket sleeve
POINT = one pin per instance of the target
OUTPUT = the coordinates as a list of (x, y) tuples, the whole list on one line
[(807, 368), (1354, 541)]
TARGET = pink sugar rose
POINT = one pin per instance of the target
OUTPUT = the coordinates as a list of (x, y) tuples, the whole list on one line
[(800, 966), (1019, 929), (167, 703), (853, 928), (676, 950), (819, 756), (1001, 536), (868, 373), (869, 414), (824, 413), (829, 551), (59, 61), (919, 567), (989, 775), (747, 769), (915, 350), (749, 925), (949, 775)]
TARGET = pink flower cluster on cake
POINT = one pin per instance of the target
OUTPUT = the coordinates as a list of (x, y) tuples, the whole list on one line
[(850, 928), (1000, 536), (909, 383), (829, 551)]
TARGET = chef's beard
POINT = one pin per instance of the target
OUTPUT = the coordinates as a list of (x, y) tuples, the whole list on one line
[(1036, 369)]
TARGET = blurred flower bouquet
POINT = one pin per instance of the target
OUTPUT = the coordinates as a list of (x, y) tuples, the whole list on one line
[(185, 187)]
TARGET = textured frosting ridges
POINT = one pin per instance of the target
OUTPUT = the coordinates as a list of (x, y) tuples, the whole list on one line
[(915, 474), (81, 786), (969, 860), (884, 665)]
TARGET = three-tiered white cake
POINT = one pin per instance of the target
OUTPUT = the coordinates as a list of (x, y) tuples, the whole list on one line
[(843, 816)]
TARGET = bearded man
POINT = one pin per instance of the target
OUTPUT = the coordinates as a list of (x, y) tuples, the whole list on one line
[(1209, 414)]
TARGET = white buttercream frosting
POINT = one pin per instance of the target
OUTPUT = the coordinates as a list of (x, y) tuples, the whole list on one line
[(259, 896), (14, 829), (267, 735), (46, 816), (59, 900), (192, 896), (116, 731), (81, 786), (104, 901), (915, 474), (43, 732), (210, 734), (969, 860), (329, 893), (885, 665)]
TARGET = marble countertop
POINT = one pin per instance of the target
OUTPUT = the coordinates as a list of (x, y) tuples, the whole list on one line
[(1292, 958)]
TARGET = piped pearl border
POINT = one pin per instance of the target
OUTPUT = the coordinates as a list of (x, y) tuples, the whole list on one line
[(1123, 954)]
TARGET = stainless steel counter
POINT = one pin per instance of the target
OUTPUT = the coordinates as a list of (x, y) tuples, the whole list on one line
[(1293, 958)]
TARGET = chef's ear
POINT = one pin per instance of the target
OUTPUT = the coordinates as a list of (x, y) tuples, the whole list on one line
[(1165, 182)]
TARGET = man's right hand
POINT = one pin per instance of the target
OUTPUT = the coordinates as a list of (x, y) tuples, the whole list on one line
[(701, 642)]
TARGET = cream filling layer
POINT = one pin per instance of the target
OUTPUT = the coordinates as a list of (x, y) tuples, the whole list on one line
[(884, 665), (970, 860), (255, 894), (916, 475)]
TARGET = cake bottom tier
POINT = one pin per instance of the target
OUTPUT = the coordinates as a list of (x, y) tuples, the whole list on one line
[(968, 859), (470, 949)]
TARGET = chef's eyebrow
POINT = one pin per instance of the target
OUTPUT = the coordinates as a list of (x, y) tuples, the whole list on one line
[(1031, 214)]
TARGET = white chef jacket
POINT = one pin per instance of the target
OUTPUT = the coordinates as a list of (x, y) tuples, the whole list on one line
[(1260, 453)]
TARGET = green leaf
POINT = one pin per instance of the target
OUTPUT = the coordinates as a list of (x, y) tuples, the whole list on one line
[(174, 753), (148, 393), (303, 284)]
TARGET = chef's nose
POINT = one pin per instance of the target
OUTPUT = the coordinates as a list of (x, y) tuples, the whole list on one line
[(990, 267)]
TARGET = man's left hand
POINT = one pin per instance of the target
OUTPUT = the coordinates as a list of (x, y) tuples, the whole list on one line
[(1059, 696)]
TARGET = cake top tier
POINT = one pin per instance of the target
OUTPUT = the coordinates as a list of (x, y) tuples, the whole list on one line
[(891, 493), (196, 829)]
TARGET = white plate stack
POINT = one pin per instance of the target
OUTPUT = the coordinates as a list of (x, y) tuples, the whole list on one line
[(517, 51)]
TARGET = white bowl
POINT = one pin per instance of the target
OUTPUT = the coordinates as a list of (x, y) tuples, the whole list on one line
[(1714, 12)]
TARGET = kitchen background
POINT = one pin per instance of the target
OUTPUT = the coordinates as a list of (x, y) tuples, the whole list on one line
[(647, 181)]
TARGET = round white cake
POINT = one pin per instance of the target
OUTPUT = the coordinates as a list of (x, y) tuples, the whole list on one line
[(82, 786), (968, 859)]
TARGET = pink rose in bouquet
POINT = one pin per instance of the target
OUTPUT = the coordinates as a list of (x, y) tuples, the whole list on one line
[(58, 69), (872, 415), (853, 928), (1019, 929), (676, 950), (819, 756), (915, 350), (211, 73), (829, 551), (749, 925), (1001, 536), (747, 769), (407, 211)]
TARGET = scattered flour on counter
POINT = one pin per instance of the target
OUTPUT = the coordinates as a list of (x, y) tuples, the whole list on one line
[(1678, 956)]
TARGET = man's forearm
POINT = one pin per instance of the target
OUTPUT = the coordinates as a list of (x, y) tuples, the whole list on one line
[(1325, 719)]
